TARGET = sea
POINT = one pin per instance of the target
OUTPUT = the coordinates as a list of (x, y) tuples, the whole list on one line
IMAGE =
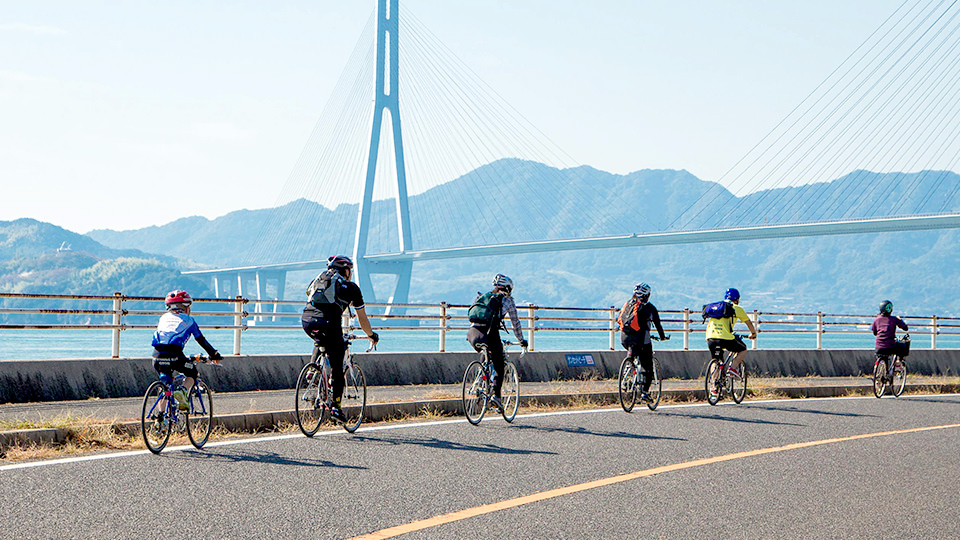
[(32, 344)]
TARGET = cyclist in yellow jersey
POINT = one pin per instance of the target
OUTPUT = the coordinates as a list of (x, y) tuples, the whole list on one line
[(720, 332)]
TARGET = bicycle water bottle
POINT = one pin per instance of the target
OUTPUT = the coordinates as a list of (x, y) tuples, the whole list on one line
[(327, 371), (179, 394)]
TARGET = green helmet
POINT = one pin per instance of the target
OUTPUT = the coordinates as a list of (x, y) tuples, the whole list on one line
[(886, 307)]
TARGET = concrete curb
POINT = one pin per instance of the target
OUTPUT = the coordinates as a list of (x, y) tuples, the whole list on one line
[(377, 412)]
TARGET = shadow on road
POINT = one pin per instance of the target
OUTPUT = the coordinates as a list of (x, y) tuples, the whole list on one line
[(241, 456), (909, 399), (727, 418), (584, 431), (808, 411), (433, 442)]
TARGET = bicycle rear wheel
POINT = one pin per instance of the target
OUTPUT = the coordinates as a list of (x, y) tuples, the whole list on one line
[(879, 373), (899, 377), (738, 387), (627, 384), (154, 421), (712, 382), (656, 386), (199, 417), (354, 401), (510, 392), (475, 392), (308, 406)]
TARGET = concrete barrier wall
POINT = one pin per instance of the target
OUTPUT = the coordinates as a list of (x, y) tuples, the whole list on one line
[(57, 380)]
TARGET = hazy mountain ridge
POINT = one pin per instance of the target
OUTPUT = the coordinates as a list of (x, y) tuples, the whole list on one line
[(843, 273)]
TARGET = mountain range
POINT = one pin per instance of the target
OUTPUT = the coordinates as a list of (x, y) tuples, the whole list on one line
[(513, 200)]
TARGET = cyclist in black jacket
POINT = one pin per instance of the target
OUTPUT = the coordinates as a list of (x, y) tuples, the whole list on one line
[(635, 318), (323, 314)]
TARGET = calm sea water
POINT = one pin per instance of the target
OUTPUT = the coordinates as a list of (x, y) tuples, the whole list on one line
[(56, 344)]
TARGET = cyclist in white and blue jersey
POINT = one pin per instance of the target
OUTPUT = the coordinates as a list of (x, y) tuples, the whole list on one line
[(174, 330)]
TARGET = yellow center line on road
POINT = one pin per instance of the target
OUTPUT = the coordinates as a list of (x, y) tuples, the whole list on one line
[(460, 515)]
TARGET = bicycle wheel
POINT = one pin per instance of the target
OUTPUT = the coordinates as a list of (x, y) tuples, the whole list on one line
[(627, 384), (200, 415), (656, 386), (738, 388), (354, 401), (308, 406), (899, 376), (510, 392), (879, 373), (712, 383), (154, 423), (475, 392)]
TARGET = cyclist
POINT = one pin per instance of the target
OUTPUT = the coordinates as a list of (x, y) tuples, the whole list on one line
[(499, 304), (635, 319), (330, 294), (174, 330), (720, 332), (885, 328)]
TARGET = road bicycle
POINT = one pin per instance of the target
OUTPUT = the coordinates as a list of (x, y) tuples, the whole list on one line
[(478, 382), (314, 397), (891, 370), (719, 380), (168, 408), (629, 383)]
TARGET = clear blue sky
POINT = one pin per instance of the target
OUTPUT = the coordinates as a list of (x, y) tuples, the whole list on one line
[(129, 114)]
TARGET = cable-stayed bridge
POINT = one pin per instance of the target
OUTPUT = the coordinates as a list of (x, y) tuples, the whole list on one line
[(448, 181)]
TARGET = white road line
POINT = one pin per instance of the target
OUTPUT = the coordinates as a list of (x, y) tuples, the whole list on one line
[(331, 433)]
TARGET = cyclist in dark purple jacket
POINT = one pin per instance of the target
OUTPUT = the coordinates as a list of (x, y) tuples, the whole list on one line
[(885, 328)]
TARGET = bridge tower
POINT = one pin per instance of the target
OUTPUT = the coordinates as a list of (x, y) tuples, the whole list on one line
[(387, 98)]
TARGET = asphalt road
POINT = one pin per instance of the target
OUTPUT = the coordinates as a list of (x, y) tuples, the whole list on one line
[(901, 484)]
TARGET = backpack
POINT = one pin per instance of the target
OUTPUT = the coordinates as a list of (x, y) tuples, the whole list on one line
[(485, 309), (718, 310), (323, 289), (627, 320)]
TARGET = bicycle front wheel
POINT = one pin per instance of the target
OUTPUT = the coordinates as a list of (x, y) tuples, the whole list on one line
[(656, 386), (154, 423), (354, 401), (510, 392), (475, 392), (713, 384), (627, 384), (200, 414), (879, 373), (899, 377), (308, 407), (739, 385)]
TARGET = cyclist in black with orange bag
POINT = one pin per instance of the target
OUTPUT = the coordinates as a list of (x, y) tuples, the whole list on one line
[(634, 321)]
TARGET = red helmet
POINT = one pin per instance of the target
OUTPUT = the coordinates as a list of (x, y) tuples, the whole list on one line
[(178, 297)]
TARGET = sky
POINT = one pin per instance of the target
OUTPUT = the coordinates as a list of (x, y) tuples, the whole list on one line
[(124, 115)]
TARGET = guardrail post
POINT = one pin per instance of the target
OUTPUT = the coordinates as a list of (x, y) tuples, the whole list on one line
[(531, 325), (756, 323), (238, 323), (819, 330), (686, 329), (933, 332), (117, 319), (443, 326), (613, 327)]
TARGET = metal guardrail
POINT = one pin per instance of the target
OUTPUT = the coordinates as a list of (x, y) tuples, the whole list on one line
[(441, 318)]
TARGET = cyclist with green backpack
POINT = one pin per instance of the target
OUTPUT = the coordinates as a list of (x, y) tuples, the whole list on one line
[(329, 295), (486, 317), (634, 321)]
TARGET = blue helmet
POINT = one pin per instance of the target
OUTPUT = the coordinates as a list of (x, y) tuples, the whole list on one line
[(732, 294)]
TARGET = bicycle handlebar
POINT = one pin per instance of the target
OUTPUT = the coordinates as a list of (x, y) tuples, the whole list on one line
[(666, 337), (350, 337)]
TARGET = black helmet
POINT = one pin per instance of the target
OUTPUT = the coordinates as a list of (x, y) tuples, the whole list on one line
[(886, 307), (339, 262)]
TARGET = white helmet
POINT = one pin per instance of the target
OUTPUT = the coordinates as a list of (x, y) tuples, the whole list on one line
[(503, 282), (642, 290)]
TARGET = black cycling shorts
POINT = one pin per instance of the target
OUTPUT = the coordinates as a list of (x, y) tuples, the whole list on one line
[(166, 361), (733, 345)]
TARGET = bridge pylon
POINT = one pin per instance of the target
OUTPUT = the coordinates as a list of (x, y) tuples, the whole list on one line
[(387, 98)]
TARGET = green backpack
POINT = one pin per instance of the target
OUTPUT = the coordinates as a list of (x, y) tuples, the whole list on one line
[(485, 309)]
